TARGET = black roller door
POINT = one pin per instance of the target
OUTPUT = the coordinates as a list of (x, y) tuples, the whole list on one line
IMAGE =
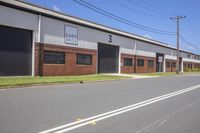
[(108, 58), (15, 51)]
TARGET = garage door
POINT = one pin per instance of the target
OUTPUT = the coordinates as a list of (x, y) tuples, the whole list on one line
[(15, 51), (108, 58)]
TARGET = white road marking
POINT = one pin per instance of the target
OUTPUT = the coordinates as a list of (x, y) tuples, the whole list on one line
[(86, 121), (165, 118)]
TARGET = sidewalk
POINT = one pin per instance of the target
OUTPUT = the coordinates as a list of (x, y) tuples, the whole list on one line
[(135, 76)]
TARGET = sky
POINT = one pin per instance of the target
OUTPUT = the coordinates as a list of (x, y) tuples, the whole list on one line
[(154, 14)]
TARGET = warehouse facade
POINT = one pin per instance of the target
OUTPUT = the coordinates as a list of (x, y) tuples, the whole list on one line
[(38, 41)]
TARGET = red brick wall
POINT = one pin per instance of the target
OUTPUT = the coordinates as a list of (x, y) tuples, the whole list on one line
[(36, 60), (70, 67), (145, 68), (192, 65), (171, 68), (186, 63), (168, 69), (127, 69)]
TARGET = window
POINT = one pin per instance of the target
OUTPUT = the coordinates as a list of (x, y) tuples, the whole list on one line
[(51, 57), (184, 65), (150, 63), (84, 59), (188, 65), (174, 64), (140, 62), (128, 62), (168, 64), (189, 56)]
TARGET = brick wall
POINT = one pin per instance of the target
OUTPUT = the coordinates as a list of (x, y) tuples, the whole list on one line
[(191, 65), (36, 59), (127, 69), (145, 68), (168, 69), (171, 68), (186, 65), (70, 67)]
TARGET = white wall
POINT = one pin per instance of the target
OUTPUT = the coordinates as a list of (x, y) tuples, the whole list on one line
[(191, 60), (152, 48), (19, 19), (52, 32)]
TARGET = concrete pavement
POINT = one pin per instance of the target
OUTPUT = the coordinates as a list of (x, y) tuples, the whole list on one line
[(35, 109)]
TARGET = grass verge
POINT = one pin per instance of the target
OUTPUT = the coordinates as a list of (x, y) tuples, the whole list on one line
[(167, 73), (28, 80)]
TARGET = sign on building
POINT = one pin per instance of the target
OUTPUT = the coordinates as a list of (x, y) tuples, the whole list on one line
[(71, 35), (160, 59)]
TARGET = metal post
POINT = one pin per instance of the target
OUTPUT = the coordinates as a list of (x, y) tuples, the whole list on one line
[(177, 18), (177, 60)]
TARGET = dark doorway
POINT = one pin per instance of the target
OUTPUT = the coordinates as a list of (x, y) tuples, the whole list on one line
[(108, 58), (15, 51), (180, 63), (159, 62)]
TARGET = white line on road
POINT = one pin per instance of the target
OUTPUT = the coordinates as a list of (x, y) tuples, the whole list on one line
[(86, 121)]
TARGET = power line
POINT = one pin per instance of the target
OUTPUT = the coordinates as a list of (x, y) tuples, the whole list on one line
[(190, 33), (133, 9), (188, 42), (147, 8), (156, 8), (122, 20), (191, 27)]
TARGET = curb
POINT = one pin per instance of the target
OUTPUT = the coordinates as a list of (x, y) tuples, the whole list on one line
[(59, 83)]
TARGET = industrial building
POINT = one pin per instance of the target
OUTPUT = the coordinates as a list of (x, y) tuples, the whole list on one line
[(38, 41)]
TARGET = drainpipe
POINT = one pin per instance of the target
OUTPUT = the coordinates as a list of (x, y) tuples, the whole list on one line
[(119, 60), (164, 64), (135, 52), (40, 65)]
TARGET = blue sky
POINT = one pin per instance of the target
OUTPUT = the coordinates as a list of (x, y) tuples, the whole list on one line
[(151, 13)]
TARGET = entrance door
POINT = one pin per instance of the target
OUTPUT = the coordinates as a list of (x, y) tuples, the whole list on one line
[(15, 51), (108, 58)]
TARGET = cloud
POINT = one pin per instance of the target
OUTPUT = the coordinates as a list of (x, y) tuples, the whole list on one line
[(147, 36), (56, 8)]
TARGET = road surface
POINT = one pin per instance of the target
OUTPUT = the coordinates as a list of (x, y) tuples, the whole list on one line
[(156, 105)]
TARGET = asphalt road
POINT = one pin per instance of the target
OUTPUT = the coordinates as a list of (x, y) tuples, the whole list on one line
[(39, 108)]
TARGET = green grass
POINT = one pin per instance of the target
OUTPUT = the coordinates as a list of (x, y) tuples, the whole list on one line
[(27, 80), (166, 73)]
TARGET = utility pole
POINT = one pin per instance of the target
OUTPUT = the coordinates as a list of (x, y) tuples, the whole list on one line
[(177, 18)]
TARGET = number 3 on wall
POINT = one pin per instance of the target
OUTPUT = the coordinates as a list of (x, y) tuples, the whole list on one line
[(110, 38)]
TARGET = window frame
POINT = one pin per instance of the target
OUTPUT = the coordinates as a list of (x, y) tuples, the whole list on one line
[(168, 64), (52, 62), (173, 64), (150, 63), (128, 59), (140, 65), (81, 54)]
